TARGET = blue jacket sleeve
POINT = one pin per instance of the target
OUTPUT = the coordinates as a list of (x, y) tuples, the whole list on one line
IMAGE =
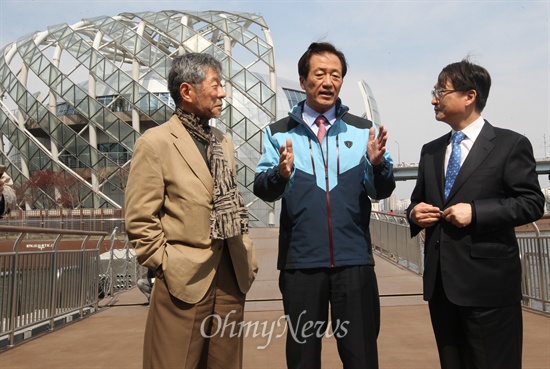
[(379, 180), (384, 181)]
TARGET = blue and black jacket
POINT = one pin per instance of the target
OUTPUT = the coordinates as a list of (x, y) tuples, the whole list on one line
[(325, 203)]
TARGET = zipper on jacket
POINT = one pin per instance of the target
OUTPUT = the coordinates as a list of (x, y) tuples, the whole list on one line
[(329, 218)]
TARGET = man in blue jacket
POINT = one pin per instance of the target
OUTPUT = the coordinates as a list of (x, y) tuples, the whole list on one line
[(325, 164)]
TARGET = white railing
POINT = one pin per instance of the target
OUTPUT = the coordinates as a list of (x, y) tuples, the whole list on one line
[(119, 267), (72, 219), (391, 238), (47, 277)]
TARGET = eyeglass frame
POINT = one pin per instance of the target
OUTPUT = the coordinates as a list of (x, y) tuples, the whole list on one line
[(437, 93)]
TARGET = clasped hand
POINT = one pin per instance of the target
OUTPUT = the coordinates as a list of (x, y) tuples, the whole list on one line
[(426, 215)]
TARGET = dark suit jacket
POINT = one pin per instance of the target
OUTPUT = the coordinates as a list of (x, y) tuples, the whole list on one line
[(480, 264)]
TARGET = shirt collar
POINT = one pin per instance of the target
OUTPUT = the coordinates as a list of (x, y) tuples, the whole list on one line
[(309, 115), (473, 130)]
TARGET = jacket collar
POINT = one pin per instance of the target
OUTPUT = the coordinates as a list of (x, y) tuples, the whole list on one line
[(297, 110), (481, 148), (189, 152)]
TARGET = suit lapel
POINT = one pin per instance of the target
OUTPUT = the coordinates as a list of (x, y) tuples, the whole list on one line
[(481, 148), (190, 153)]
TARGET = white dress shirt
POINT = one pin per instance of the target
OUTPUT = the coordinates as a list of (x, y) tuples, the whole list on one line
[(309, 115), (471, 132)]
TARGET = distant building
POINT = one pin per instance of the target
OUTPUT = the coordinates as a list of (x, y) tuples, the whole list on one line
[(74, 98)]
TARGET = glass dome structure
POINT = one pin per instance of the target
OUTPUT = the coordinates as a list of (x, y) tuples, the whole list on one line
[(74, 99)]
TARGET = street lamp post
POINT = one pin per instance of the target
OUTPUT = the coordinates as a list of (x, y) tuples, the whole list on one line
[(398, 154)]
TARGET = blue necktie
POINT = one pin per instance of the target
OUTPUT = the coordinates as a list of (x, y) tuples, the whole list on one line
[(454, 163)]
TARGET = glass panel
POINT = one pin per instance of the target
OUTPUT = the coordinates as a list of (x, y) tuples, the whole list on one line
[(83, 107)]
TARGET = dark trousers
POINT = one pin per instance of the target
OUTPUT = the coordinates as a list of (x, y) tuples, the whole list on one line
[(476, 338), (355, 315)]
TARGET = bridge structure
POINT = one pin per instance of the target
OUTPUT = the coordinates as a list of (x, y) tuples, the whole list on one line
[(406, 340), (404, 172)]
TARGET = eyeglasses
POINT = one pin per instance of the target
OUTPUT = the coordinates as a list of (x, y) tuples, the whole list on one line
[(438, 93)]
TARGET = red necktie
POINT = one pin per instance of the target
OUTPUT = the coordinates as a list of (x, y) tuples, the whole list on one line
[(320, 121)]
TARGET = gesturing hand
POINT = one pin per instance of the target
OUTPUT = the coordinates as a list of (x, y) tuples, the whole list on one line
[(286, 159), (376, 147)]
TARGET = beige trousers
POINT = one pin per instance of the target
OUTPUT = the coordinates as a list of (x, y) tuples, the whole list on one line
[(205, 335)]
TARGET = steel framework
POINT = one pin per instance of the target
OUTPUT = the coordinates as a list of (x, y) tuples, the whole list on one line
[(76, 97)]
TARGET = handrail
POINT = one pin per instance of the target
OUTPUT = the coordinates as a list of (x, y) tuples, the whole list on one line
[(19, 229), (88, 220), (122, 269), (535, 226), (48, 286), (390, 235)]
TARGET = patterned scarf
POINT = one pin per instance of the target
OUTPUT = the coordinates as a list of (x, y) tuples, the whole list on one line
[(229, 216)]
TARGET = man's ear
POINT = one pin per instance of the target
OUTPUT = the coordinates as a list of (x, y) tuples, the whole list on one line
[(471, 97), (187, 92), (302, 83)]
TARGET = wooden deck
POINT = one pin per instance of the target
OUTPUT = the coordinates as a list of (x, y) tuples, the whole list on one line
[(112, 337)]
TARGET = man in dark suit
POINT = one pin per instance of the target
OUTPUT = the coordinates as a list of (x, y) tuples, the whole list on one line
[(472, 271)]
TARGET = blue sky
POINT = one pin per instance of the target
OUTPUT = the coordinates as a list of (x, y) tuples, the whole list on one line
[(397, 47)]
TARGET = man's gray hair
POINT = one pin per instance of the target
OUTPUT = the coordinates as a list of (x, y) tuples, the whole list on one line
[(190, 68)]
